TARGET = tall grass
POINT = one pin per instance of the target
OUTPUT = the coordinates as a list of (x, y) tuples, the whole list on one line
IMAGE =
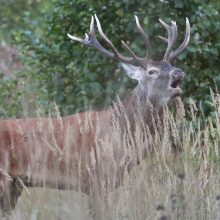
[(179, 178)]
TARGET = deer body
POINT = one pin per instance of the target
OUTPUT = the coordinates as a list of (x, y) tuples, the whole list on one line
[(68, 152), (22, 138)]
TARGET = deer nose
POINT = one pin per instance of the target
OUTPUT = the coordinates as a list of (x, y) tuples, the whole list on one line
[(178, 74)]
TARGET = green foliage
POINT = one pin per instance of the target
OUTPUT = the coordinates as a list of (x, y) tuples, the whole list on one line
[(202, 59), (18, 88), (14, 12), (21, 97), (12, 106), (72, 74)]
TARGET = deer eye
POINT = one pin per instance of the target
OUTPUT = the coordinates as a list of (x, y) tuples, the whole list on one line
[(152, 72)]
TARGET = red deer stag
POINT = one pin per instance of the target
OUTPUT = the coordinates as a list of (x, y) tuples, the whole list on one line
[(65, 152)]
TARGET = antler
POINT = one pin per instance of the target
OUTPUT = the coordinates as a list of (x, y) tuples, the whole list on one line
[(171, 40), (90, 40)]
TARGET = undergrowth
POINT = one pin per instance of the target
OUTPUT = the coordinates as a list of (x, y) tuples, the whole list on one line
[(178, 179)]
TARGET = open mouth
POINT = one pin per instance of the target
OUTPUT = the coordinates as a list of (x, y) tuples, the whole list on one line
[(175, 84), (175, 88)]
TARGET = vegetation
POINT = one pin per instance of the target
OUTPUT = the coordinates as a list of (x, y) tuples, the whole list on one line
[(166, 185), (76, 77), (14, 14)]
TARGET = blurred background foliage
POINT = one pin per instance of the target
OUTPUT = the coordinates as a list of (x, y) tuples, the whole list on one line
[(16, 14), (75, 77)]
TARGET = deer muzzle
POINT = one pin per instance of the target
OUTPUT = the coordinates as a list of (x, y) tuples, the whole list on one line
[(177, 77)]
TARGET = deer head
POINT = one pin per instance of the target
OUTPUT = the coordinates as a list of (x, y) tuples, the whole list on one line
[(158, 81)]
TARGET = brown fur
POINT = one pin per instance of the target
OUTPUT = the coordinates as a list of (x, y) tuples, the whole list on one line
[(73, 152)]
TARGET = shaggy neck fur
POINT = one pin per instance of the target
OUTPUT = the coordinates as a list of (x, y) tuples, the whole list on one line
[(138, 106)]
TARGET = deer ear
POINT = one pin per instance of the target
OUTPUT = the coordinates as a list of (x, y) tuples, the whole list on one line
[(134, 72)]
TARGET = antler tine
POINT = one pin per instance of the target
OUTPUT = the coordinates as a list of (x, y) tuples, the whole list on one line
[(86, 40), (183, 46), (172, 36), (163, 38), (91, 27), (129, 50), (145, 37), (90, 40), (115, 51), (142, 61)]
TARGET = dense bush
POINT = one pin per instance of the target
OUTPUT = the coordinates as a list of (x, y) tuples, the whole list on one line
[(14, 12), (70, 74), (15, 16)]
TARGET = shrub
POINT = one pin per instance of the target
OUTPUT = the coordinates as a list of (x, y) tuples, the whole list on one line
[(71, 75)]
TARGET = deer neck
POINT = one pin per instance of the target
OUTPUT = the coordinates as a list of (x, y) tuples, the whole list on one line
[(138, 105)]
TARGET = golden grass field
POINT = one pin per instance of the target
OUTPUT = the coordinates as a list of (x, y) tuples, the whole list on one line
[(166, 185)]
